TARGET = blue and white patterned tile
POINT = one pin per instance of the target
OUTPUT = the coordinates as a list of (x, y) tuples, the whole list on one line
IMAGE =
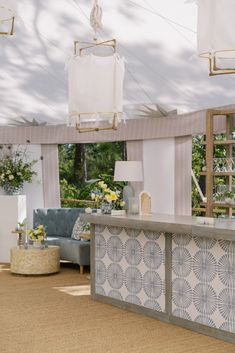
[(100, 246), (152, 285), (183, 314), (226, 270), (204, 266), (152, 255), (181, 261), (133, 299), (205, 320), (150, 235), (115, 248), (99, 290), (210, 281), (133, 280), (128, 264), (204, 299), (181, 293), (115, 276), (115, 230), (115, 294), (99, 228), (133, 233), (100, 272), (133, 252), (226, 304)]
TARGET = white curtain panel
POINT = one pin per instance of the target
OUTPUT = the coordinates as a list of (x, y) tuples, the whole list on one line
[(95, 86), (215, 30)]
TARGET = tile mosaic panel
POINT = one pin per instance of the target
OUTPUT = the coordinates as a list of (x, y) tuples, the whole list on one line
[(203, 281), (130, 266)]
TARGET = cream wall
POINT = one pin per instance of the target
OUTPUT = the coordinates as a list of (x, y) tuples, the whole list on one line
[(159, 173), (34, 190)]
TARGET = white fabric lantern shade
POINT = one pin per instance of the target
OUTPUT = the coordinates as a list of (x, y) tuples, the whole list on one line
[(95, 89), (8, 11), (215, 33)]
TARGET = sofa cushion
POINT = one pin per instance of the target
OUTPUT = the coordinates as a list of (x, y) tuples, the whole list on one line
[(79, 228), (76, 251), (58, 222)]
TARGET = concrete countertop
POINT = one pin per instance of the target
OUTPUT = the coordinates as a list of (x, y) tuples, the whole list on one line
[(220, 229)]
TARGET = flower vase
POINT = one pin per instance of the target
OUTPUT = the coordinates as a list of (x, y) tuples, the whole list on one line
[(106, 208), (37, 244), (12, 190)]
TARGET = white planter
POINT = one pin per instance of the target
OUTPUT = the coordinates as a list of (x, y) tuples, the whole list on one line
[(118, 212)]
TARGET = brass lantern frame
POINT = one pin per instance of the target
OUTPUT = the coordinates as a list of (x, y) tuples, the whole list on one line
[(10, 21), (214, 68)]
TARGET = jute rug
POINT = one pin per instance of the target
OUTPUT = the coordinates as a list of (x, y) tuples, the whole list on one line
[(54, 314)]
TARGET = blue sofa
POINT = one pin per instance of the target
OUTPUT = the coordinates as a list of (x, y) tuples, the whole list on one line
[(58, 223)]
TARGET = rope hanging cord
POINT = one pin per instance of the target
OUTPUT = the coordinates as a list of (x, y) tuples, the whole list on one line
[(96, 18)]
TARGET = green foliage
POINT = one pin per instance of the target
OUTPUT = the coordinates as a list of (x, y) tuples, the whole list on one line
[(82, 165)]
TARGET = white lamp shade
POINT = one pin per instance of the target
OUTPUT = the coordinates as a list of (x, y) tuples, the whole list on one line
[(215, 28), (128, 171), (8, 9)]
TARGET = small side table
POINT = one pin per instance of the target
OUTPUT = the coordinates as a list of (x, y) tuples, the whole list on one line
[(33, 261), (19, 232)]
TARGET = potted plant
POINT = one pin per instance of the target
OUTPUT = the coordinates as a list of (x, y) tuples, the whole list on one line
[(15, 169), (37, 235), (109, 200)]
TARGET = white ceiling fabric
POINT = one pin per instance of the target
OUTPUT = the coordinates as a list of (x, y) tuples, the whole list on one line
[(157, 38)]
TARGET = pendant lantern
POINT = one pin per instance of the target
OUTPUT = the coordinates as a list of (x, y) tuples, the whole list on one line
[(215, 34), (8, 10), (95, 82)]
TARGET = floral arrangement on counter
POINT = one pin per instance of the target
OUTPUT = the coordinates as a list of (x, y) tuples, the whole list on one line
[(104, 197)]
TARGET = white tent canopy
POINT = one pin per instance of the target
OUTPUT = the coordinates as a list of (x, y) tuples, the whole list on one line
[(157, 38)]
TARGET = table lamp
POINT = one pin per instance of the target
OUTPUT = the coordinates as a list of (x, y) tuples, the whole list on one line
[(128, 171)]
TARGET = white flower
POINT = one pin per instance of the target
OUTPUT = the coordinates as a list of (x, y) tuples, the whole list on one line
[(88, 210), (8, 172), (11, 177), (92, 195), (19, 173)]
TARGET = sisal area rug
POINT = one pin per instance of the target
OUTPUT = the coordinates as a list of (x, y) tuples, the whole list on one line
[(55, 314)]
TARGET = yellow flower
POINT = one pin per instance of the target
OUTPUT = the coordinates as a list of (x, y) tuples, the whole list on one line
[(93, 196), (122, 203), (108, 198), (113, 196), (107, 190), (97, 198)]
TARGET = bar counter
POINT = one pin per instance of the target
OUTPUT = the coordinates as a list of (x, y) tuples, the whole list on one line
[(169, 267)]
